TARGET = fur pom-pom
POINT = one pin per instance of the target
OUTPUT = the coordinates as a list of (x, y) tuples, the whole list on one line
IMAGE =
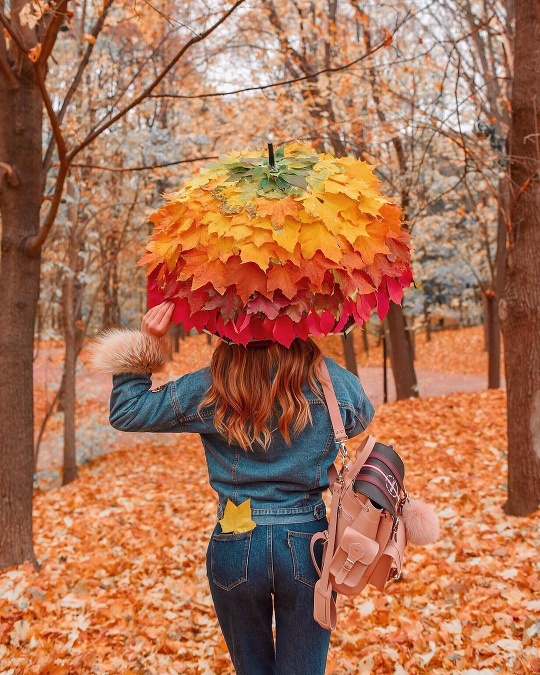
[(421, 523), (120, 350)]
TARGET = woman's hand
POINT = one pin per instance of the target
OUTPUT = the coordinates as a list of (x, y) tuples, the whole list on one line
[(158, 319)]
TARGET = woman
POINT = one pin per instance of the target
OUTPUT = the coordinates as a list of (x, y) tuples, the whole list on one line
[(268, 439)]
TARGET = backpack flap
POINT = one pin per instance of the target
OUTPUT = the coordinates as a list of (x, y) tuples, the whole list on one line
[(389, 565), (352, 557)]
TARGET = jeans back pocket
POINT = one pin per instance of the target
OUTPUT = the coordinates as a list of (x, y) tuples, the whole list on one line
[(304, 570), (229, 557)]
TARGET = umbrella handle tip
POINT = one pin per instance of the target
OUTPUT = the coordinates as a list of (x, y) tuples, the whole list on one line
[(271, 158)]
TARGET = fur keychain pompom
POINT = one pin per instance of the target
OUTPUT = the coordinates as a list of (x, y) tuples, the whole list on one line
[(421, 523), (120, 350)]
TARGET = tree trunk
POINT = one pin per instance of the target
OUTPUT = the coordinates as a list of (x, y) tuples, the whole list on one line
[(365, 340), (385, 363), (348, 351), (520, 306), (401, 356), (71, 302), (494, 354), (111, 305), (20, 147), (427, 321), (493, 338), (485, 320), (411, 339), (69, 471)]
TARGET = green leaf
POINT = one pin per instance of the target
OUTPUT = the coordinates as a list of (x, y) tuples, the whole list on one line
[(282, 184), (298, 181), (248, 190)]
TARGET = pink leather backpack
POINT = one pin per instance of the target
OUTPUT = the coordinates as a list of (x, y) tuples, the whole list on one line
[(365, 539)]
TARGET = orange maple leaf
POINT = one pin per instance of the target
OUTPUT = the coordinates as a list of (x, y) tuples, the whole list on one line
[(369, 247), (313, 270), (278, 209), (212, 271), (247, 277), (279, 277), (316, 237)]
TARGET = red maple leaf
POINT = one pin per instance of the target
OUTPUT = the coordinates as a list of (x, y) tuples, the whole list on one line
[(263, 305), (284, 331), (228, 304)]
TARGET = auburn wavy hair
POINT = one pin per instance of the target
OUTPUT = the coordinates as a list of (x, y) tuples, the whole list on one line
[(252, 384)]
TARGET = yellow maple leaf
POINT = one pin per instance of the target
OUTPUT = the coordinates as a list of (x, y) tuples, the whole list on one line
[(192, 237), (278, 209), (260, 236), (167, 250), (352, 230), (237, 518), (232, 195), (368, 247), (321, 172), (198, 180), (326, 207), (287, 237), (316, 237), (219, 248), (218, 223), (260, 256), (340, 184), (371, 204), (358, 169), (241, 232)]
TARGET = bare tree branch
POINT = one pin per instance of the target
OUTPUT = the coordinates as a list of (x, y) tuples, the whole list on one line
[(146, 93), (96, 30), (129, 84), (9, 74), (143, 167), (53, 118), (168, 18), (281, 83), (7, 25), (53, 19), (33, 244)]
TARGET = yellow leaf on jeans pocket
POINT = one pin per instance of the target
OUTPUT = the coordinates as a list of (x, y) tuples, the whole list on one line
[(237, 518)]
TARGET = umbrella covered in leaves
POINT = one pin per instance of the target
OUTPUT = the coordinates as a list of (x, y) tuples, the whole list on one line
[(264, 247)]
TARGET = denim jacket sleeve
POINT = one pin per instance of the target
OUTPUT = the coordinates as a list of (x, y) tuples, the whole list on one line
[(361, 416), (134, 407), (172, 408)]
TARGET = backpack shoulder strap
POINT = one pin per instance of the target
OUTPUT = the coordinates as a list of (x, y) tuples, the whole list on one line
[(331, 402)]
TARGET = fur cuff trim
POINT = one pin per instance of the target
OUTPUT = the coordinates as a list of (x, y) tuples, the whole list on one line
[(120, 350)]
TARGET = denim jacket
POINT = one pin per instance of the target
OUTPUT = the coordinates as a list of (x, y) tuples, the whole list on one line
[(285, 483)]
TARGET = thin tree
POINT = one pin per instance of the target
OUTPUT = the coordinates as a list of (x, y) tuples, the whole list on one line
[(26, 48), (520, 306)]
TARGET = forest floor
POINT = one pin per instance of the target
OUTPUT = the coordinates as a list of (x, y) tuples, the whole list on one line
[(122, 587)]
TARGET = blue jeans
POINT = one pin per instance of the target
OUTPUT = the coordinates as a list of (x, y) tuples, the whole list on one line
[(256, 573)]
